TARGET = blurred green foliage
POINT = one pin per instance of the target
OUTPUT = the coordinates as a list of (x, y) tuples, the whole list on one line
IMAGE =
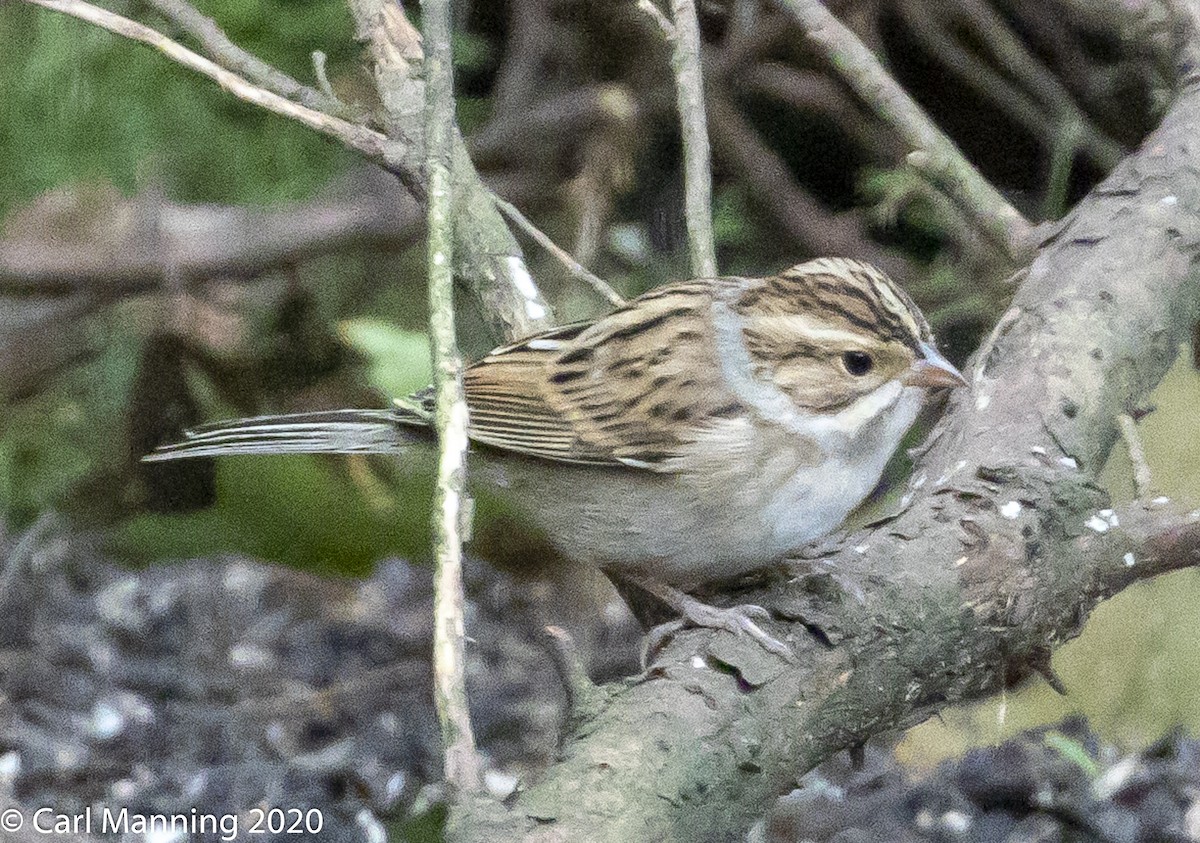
[(331, 514), (83, 104)]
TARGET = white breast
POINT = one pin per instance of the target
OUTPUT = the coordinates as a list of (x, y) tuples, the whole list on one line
[(747, 497)]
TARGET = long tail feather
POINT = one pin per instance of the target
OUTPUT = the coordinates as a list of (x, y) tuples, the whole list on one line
[(332, 432)]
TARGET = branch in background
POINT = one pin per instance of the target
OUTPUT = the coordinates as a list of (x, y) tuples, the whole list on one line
[(684, 37), (1018, 85), (486, 255), (229, 55), (931, 152), (199, 242), (573, 266), (816, 93), (1019, 61), (791, 207), (451, 506)]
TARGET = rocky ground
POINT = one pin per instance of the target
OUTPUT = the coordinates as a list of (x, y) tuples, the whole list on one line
[(227, 688), (221, 685)]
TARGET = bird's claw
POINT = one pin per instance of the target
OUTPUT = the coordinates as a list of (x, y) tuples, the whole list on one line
[(738, 620)]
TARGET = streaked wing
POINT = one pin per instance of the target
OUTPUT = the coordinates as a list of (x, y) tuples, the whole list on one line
[(633, 388)]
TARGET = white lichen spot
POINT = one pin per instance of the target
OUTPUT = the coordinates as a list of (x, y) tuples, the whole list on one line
[(1011, 510), (439, 258), (1038, 449), (862, 549), (500, 784), (1097, 524), (960, 561), (535, 310), (1161, 500), (1169, 201), (1068, 462), (544, 345), (1129, 560), (521, 277), (920, 480), (1105, 513), (982, 400), (106, 721), (698, 662)]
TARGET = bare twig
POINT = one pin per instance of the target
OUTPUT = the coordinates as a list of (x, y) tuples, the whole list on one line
[(451, 505), (656, 14), (318, 59), (697, 158), (564, 257), (684, 37), (489, 258), (794, 209), (1137, 455), (1018, 60), (931, 151), (1018, 85), (375, 146), (229, 55)]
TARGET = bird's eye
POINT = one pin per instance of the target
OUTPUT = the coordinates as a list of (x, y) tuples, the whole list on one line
[(857, 363)]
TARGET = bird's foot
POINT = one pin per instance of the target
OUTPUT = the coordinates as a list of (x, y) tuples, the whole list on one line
[(739, 620)]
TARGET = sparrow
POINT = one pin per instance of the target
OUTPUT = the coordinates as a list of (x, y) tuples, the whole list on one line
[(698, 432)]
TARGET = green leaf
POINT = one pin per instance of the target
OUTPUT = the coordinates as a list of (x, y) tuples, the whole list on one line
[(398, 359), (1073, 751)]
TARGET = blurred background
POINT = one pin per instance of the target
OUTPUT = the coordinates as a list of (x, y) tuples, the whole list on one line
[(169, 256)]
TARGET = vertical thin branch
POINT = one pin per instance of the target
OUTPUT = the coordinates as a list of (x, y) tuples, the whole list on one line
[(451, 506), (697, 158), (1142, 478)]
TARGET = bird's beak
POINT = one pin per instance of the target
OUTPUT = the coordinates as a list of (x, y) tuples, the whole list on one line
[(932, 370)]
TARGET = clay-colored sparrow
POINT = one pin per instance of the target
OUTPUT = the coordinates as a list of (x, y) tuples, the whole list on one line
[(700, 431)]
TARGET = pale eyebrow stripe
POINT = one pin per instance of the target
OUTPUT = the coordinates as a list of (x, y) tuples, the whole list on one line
[(810, 329)]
